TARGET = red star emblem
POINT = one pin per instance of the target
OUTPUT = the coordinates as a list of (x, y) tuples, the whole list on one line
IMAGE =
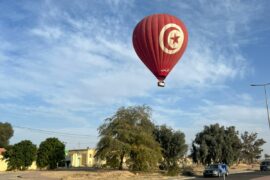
[(175, 38)]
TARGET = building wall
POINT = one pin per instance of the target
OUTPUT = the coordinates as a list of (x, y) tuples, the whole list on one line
[(3, 164), (33, 166), (83, 158)]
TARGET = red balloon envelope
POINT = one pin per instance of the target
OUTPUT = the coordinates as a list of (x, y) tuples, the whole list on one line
[(160, 40)]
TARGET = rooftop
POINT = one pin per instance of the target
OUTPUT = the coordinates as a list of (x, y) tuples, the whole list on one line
[(2, 150)]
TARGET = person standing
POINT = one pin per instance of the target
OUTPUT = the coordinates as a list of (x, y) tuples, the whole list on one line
[(224, 170)]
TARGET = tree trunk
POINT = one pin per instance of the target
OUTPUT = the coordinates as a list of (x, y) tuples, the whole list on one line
[(121, 161)]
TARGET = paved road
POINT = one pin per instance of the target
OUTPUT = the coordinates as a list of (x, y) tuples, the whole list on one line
[(257, 175)]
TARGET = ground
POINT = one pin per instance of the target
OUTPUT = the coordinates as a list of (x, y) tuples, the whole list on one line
[(86, 173), (198, 170)]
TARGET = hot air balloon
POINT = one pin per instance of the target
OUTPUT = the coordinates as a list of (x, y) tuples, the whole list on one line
[(160, 40)]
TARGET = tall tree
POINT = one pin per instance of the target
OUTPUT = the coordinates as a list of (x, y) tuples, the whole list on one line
[(51, 152), (6, 132), (231, 148), (172, 144), (216, 144), (251, 147), (129, 134), (21, 155)]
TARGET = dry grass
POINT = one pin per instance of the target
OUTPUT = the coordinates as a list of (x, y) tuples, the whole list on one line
[(198, 169), (104, 175), (122, 175), (245, 167), (86, 173)]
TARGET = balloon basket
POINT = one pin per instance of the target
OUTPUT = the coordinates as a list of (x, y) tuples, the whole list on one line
[(161, 83)]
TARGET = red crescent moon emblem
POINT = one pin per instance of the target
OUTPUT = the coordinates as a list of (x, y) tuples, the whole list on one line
[(171, 38), (165, 38)]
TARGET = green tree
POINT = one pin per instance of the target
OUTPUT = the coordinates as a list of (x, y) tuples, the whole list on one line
[(51, 152), (216, 144), (21, 155), (6, 132), (232, 148), (129, 134), (173, 147), (251, 147)]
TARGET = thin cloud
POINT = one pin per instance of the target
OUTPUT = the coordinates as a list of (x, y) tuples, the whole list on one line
[(74, 64)]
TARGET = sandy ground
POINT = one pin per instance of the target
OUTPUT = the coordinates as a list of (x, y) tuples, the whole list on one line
[(83, 175), (87, 173), (109, 174), (198, 170)]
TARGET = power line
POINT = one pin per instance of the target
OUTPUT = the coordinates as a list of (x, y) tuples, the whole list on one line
[(53, 132)]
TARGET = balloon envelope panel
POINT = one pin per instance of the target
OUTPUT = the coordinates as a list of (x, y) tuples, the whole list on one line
[(160, 40)]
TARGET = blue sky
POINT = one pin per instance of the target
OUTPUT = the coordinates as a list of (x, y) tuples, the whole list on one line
[(65, 66)]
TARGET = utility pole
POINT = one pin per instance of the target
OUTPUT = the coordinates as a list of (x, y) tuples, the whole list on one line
[(266, 101)]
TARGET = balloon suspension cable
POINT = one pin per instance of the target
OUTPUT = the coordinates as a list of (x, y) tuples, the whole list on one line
[(161, 83)]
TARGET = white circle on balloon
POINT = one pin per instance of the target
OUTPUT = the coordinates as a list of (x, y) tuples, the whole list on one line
[(175, 38)]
